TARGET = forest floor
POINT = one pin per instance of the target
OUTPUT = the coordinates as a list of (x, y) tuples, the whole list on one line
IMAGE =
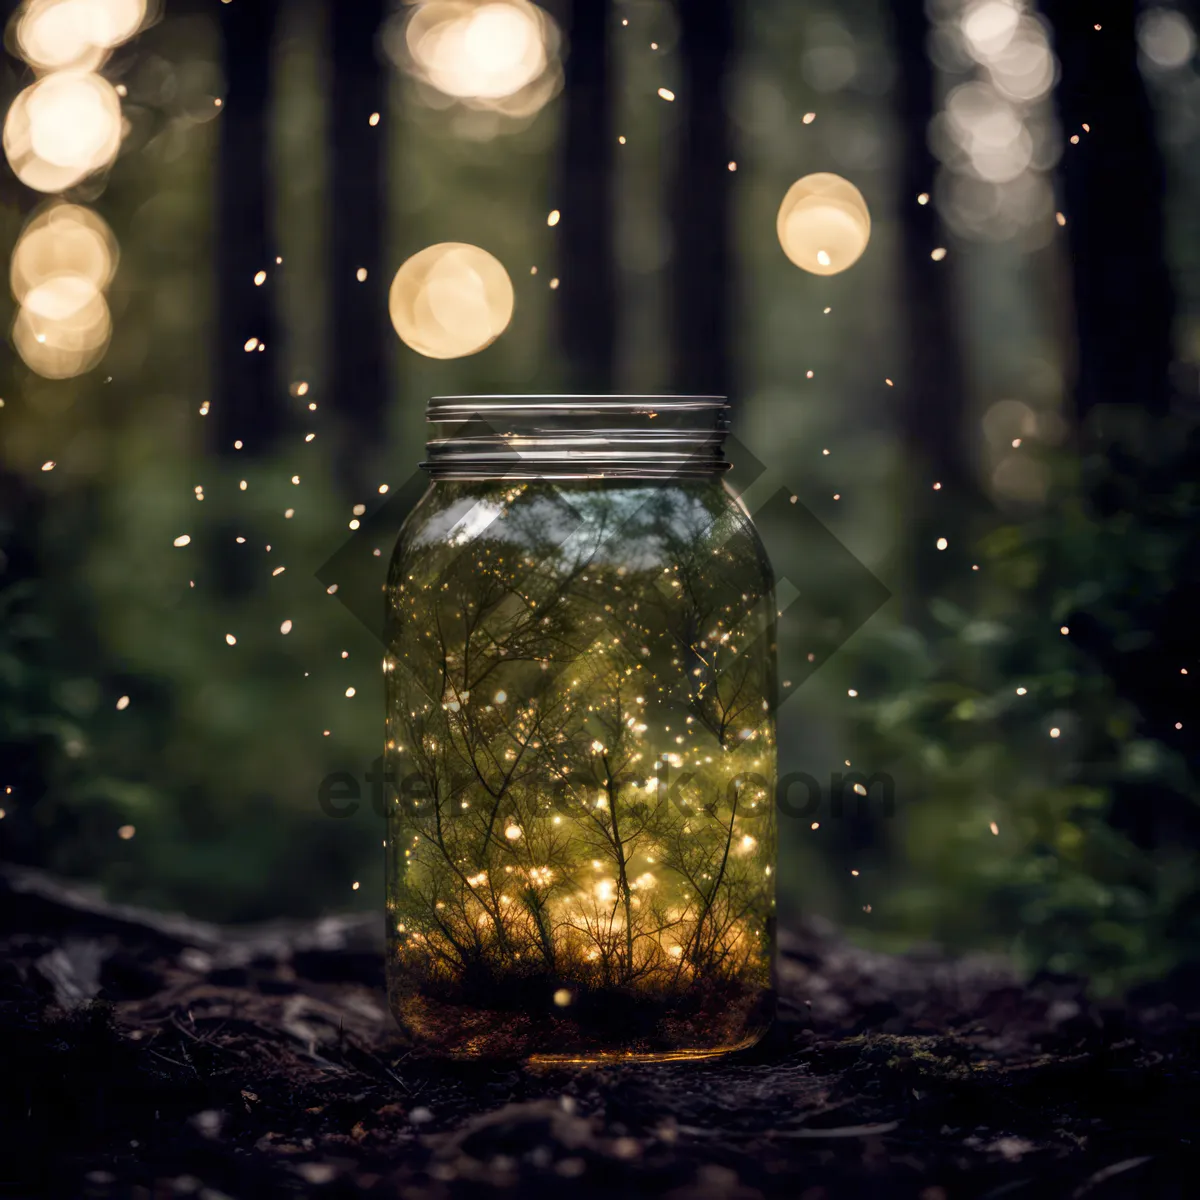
[(151, 1056)]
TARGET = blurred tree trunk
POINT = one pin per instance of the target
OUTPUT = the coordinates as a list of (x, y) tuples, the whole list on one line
[(702, 265), (1113, 188), (587, 292), (932, 393), (247, 405), (361, 333)]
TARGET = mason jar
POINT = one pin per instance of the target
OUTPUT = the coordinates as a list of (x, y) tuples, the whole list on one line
[(581, 689)]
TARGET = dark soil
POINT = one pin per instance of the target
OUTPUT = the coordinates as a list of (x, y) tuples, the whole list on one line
[(149, 1056)]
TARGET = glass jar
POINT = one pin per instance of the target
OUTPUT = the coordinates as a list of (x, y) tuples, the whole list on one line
[(581, 733)]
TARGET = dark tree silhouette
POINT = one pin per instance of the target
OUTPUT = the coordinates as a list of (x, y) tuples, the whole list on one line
[(246, 403), (702, 270), (587, 295), (1112, 184), (358, 309)]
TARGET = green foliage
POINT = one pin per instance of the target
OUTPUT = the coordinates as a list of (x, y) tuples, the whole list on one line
[(1076, 848)]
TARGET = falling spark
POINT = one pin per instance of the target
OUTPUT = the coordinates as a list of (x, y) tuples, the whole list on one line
[(331, 589), (553, 284), (183, 539), (49, 465), (278, 571), (942, 543), (888, 382), (938, 254), (1022, 691), (733, 166), (302, 388), (995, 829), (853, 872), (1086, 127), (122, 704), (259, 280), (383, 487), (827, 311), (666, 93), (349, 693), (204, 409), (354, 886), (242, 484), (373, 119), (809, 118), (230, 639), (923, 198), (286, 628), (361, 274), (621, 139), (296, 479), (554, 218), (1055, 732), (1060, 218), (308, 437), (354, 524), (851, 693), (251, 344), (1064, 630)]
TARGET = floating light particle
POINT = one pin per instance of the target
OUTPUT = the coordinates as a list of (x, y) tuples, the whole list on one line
[(624, 20), (289, 513), (262, 346), (121, 90), (183, 539), (1060, 218), (562, 997), (238, 444), (1021, 691), (331, 589), (653, 45), (383, 487), (825, 452), (974, 566), (1016, 442), (1183, 670), (1178, 724), (1064, 630), (296, 479), (242, 484), (888, 381), (278, 571), (836, 496), (217, 101), (809, 118), (345, 653), (260, 278), (373, 119), (122, 704), (554, 218), (355, 523), (126, 832), (553, 284), (942, 543), (230, 640), (823, 258), (251, 344), (923, 198), (359, 509), (620, 139), (808, 375), (349, 693), (1055, 732), (49, 465), (1074, 139), (827, 311), (995, 829), (324, 732), (361, 274), (302, 388), (512, 832), (204, 409), (312, 407), (937, 487), (816, 825), (666, 94), (852, 693), (938, 253), (1086, 127), (853, 872), (733, 166), (278, 260), (308, 437)]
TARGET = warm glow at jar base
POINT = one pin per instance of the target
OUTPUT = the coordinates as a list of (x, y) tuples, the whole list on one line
[(823, 224), (451, 300)]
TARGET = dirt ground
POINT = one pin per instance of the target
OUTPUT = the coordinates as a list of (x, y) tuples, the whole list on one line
[(149, 1056)]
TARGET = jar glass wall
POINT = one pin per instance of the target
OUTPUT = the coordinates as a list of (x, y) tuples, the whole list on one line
[(581, 727)]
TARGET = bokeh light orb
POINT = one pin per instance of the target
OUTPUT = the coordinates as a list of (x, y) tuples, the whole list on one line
[(63, 328), (56, 34), (62, 129), (496, 55), (63, 239), (823, 223), (451, 300)]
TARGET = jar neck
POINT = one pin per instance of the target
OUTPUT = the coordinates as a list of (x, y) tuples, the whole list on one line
[(576, 437)]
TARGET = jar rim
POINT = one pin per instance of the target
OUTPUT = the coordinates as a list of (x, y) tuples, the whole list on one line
[(580, 436)]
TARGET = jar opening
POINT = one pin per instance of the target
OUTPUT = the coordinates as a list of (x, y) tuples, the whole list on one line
[(576, 437)]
